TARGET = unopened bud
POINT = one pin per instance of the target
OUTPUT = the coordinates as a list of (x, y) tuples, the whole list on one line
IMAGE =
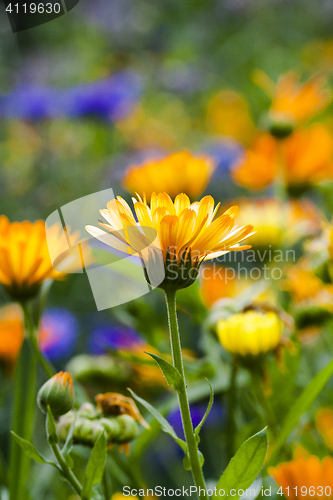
[(58, 393)]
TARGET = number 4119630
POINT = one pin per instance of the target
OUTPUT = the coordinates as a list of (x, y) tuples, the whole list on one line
[(305, 491), (34, 8)]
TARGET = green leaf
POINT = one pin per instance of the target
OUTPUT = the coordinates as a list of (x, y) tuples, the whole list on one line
[(67, 448), (172, 375), (244, 467), (210, 404), (302, 403), (31, 451), (95, 468), (166, 427)]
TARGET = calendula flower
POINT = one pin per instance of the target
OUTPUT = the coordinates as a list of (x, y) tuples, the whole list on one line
[(228, 114), (175, 173), (303, 159), (57, 393), (306, 477), (250, 333), (24, 257), (324, 424), (114, 404), (11, 334), (218, 282), (277, 222), (187, 233), (300, 101)]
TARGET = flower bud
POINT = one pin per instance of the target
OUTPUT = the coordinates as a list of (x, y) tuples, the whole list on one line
[(57, 393)]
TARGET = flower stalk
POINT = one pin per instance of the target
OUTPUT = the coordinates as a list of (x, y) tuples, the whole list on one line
[(193, 451)]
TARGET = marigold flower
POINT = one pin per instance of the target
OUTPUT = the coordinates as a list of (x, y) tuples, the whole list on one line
[(277, 222), (228, 114), (11, 334), (24, 257), (216, 283), (298, 100), (250, 333), (176, 173), (57, 393), (324, 424), (306, 477), (187, 233), (304, 158), (304, 285), (114, 404)]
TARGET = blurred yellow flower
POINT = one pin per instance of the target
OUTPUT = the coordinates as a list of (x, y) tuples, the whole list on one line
[(120, 496), (24, 256), (304, 285), (306, 476), (176, 173), (277, 222), (187, 232), (250, 333), (228, 114), (324, 424), (304, 158), (11, 334)]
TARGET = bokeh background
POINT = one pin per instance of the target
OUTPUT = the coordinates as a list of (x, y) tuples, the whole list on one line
[(108, 85)]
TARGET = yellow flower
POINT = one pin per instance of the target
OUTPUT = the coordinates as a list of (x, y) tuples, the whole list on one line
[(176, 173), (250, 333), (304, 285), (24, 256), (305, 158), (187, 232), (298, 100), (324, 424), (306, 477), (11, 334), (120, 496), (228, 114), (278, 222)]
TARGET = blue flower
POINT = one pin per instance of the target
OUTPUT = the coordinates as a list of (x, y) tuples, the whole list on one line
[(108, 99), (107, 337), (57, 333), (225, 153)]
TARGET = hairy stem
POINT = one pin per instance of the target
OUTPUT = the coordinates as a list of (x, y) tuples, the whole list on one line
[(193, 452)]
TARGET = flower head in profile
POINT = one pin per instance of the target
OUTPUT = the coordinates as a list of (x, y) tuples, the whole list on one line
[(57, 393), (24, 257), (250, 334), (187, 233), (300, 101), (302, 473), (175, 173), (11, 334), (303, 159)]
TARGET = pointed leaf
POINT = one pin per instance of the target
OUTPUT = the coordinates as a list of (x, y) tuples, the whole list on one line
[(95, 468), (302, 403), (210, 404), (244, 467), (31, 451), (166, 427), (170, 372)]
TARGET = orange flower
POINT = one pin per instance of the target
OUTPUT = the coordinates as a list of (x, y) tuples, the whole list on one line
[(324, 423), (228, 114), (176, 173), (216, 283), (299, 101), (24, 256), (303, 473), (11, 333), (305, 158)]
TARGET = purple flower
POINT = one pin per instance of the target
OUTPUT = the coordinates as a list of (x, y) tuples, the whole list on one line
[(109, 337), (107, 99), (57, 333), (225, 154)]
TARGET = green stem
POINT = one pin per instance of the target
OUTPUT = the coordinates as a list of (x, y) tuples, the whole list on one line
[(264, 403), (106, 484), (34, 342), (232, 404), (71, 478), (193, 452)]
